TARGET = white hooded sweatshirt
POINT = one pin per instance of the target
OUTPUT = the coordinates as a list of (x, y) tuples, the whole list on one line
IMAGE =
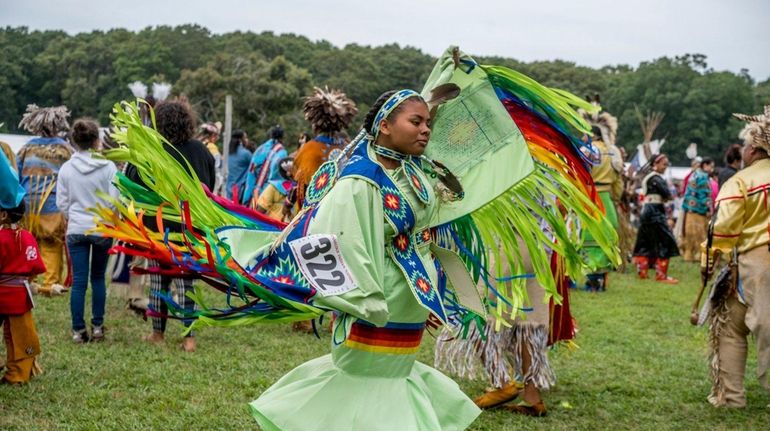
[(79, 180)]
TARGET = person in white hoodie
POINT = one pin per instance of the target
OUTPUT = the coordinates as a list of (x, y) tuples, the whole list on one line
[(80, 180)]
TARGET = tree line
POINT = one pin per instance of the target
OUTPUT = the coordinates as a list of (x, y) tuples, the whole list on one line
[(268, 75)]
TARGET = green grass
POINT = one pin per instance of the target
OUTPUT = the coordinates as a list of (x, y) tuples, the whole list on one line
[(640, 366)]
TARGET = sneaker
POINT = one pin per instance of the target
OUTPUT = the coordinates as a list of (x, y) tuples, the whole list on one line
[(80, 337), (97, 333)]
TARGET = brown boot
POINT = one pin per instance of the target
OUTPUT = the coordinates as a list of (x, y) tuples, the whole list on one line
[(499, 396), (527, 409)]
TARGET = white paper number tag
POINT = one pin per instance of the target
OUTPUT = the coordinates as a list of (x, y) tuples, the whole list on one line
[(320, 261)]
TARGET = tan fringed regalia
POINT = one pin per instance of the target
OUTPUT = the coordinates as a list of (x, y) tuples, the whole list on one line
[(742, 223)]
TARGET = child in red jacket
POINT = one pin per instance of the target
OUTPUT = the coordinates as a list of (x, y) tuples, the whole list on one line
[(19, 261)]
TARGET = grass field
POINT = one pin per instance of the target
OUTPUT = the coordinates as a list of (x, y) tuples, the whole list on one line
[(640, 366)]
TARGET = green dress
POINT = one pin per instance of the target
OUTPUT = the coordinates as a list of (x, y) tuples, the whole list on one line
[(597, 259), (371, 380)]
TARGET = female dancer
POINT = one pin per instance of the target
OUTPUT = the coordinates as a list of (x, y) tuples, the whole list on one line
[(373, 371), (362, 246), (655, 243)]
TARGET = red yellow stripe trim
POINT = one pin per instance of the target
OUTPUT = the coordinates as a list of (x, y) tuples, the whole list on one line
[(381, 349), (395, 341), (725, 235)]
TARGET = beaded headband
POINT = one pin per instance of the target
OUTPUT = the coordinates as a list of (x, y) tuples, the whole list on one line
[(389, 106)]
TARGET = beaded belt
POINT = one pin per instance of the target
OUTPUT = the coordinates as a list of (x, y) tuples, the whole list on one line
[(12, 280), (394, 338), (653, 199)]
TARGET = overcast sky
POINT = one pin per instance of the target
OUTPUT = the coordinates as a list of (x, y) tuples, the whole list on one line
[(734, 34)]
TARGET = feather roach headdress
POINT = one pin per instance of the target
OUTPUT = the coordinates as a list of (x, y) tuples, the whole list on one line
[(161, 90), (138, 89), (607, 123), (329, 111), (757, 132), (45, 121)]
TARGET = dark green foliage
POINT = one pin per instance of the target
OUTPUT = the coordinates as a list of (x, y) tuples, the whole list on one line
[(268, 75), (697, 103), (762, 93), (265, 92)]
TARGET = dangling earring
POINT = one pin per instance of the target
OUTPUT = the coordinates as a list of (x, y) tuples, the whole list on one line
[(449, 188)]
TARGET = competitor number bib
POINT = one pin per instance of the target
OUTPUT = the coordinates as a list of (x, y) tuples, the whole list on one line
[(320, 261)]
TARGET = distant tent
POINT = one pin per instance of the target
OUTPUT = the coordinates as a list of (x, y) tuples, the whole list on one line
[(649, 147), (640, 158)]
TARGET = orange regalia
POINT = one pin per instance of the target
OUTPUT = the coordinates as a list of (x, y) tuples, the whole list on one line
[(328, 111)]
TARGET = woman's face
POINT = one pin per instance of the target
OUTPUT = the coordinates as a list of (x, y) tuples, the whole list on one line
[(661, 165), (409, 129)]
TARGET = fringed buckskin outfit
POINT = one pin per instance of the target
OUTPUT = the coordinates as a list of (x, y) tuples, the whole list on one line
[(742, 223)]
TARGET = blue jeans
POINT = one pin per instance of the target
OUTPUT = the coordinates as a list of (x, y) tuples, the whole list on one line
[(88, 253)]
